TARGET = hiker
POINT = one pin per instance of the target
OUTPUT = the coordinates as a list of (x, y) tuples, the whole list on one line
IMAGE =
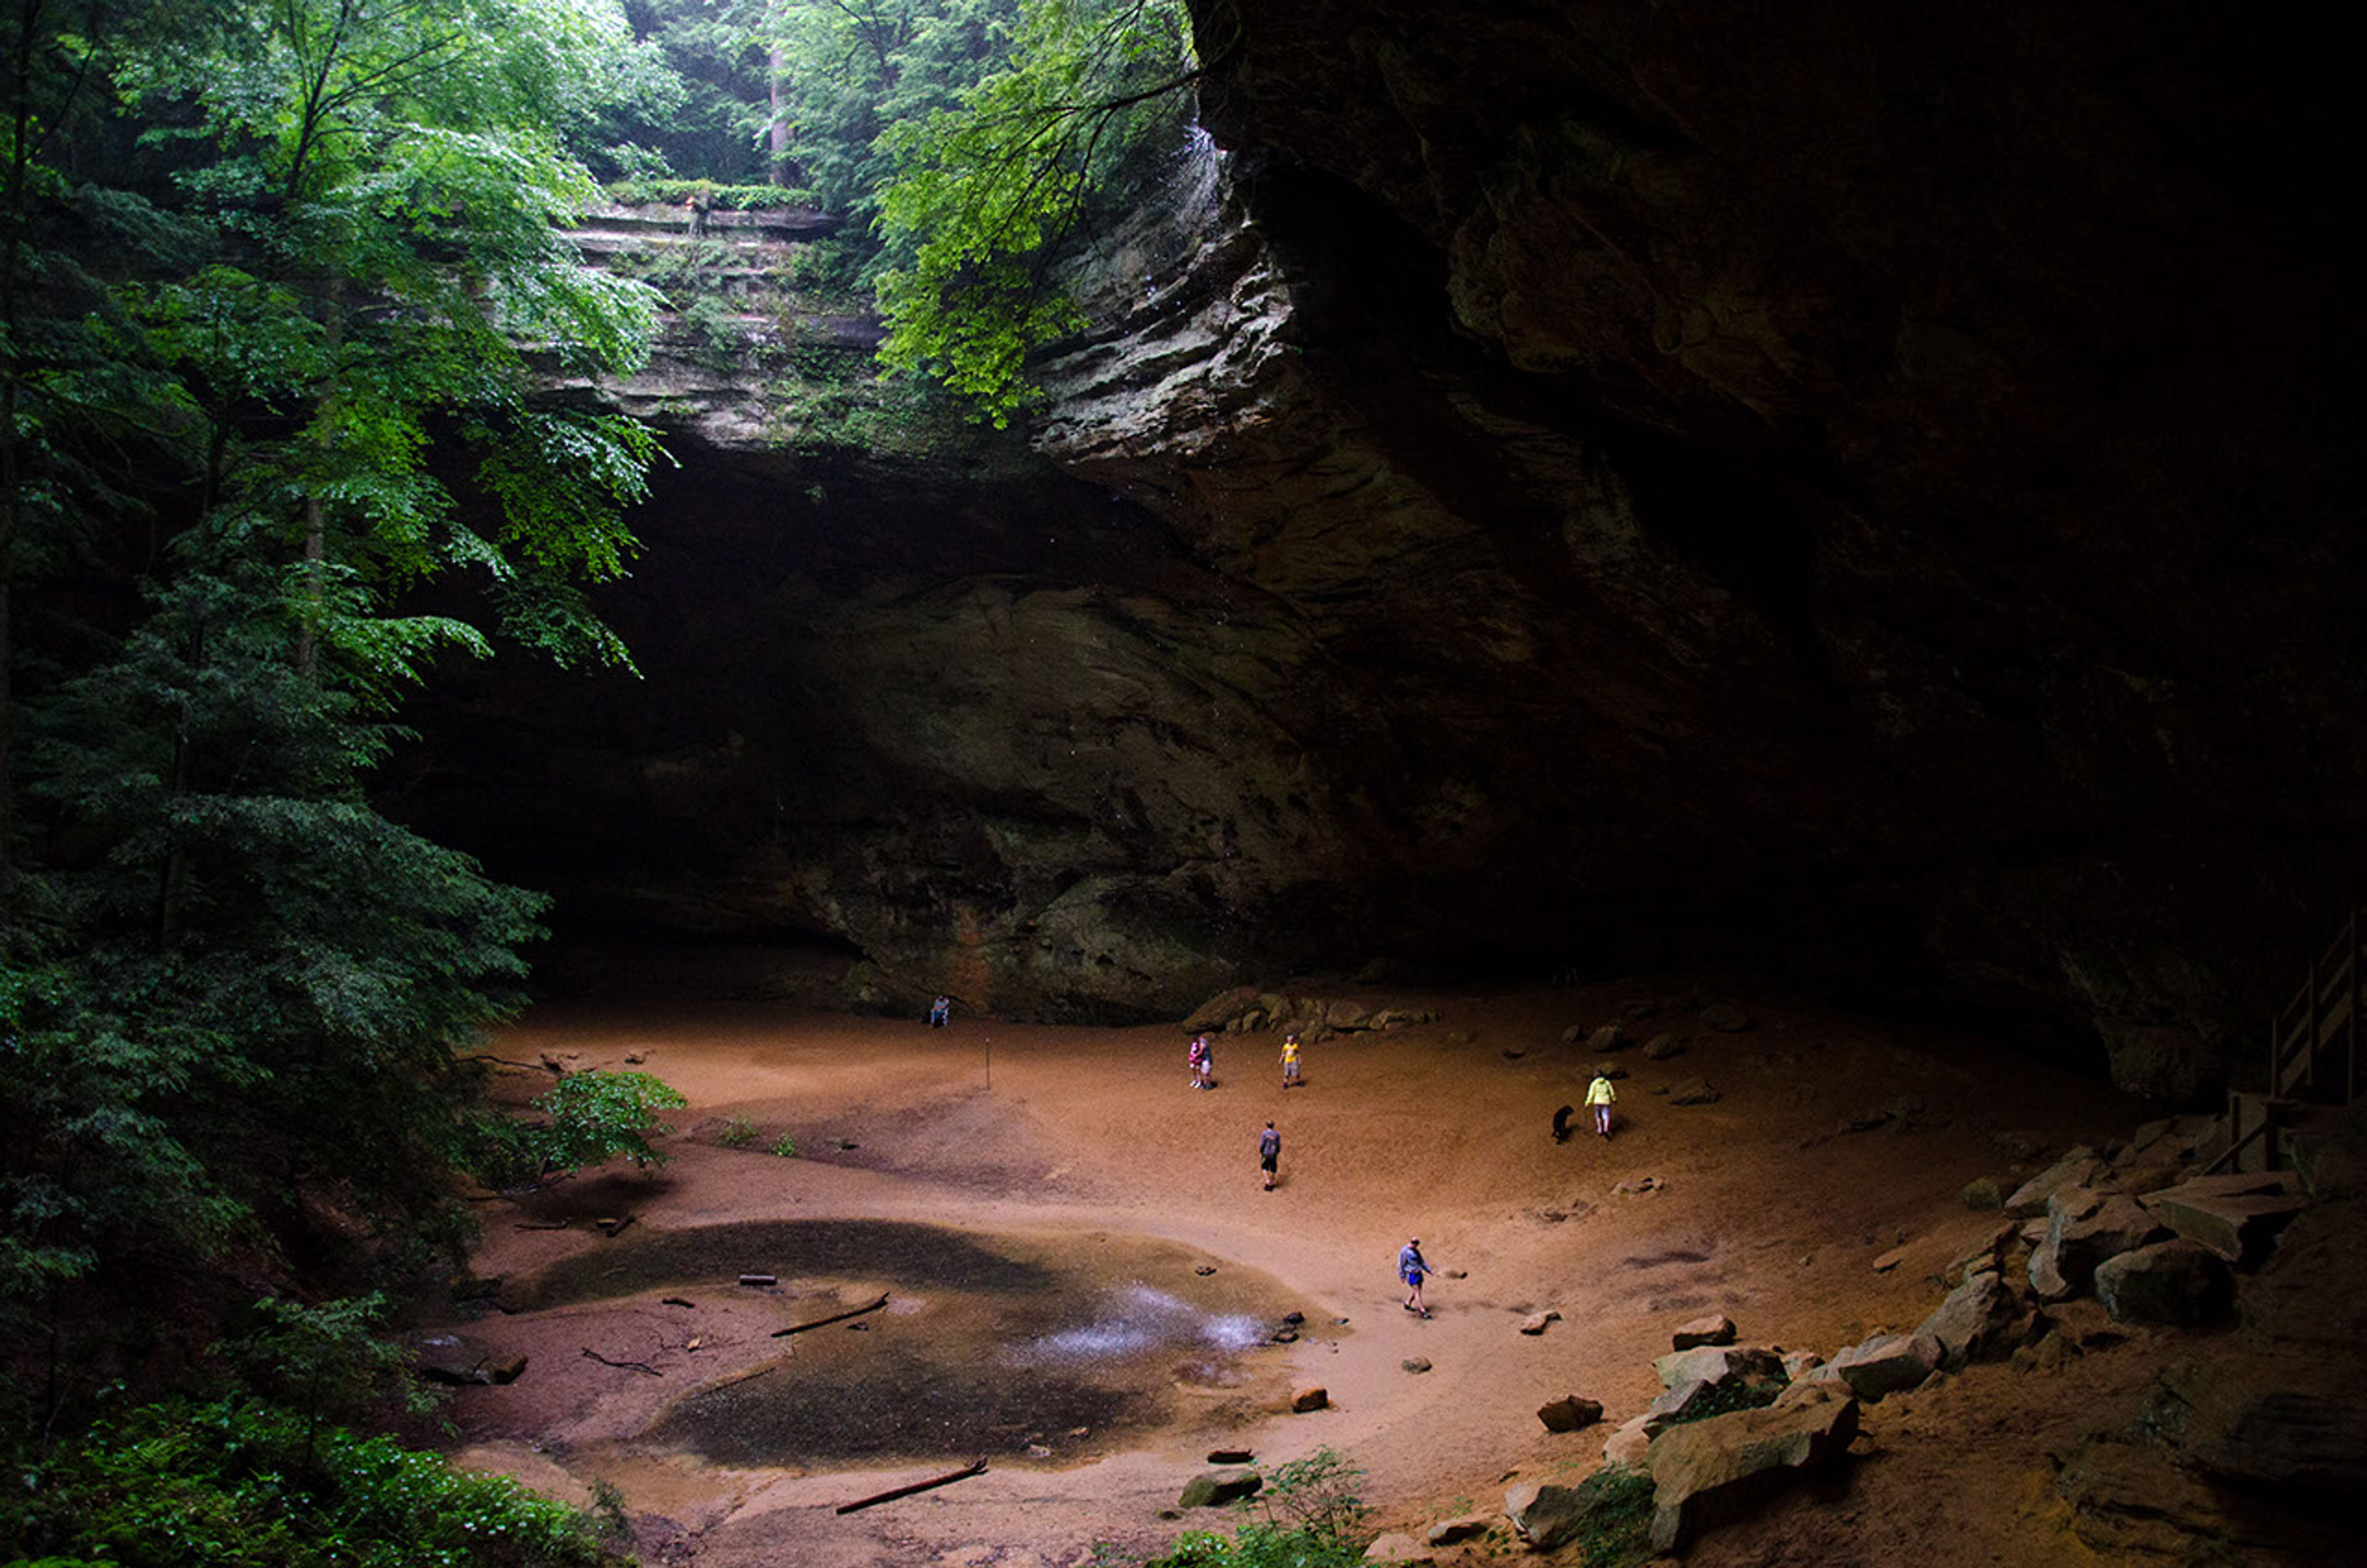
[(1412, 1268), (1289, 1060), (1599, 1094), (1203, 1062), (1269, 1152), (941, 1012)]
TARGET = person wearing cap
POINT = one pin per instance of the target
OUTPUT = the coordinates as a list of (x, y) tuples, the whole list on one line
[(1412, 1268)]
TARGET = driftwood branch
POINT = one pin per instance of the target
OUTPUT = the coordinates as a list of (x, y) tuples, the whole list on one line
[(834, 1318), (975, 1467), (623, 1366)]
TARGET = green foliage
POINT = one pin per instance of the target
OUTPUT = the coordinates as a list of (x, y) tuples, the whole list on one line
[(985, 194), (587, 1118), (1310, 1514), (1616, 1530), (182, 1485), (738, 1133), (647, 190), (786, 1147)]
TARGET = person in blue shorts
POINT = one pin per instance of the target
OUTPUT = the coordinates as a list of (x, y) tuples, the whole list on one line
[(1412, 1268)]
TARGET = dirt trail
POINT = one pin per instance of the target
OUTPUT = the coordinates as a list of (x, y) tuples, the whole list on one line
[(1765, 1211)]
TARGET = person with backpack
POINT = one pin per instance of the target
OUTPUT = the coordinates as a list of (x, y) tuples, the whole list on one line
[(1412, 1268), (1269, 1153), (1598, 1095)]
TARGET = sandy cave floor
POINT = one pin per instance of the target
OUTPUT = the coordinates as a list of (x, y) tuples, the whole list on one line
[(1091, 1137)]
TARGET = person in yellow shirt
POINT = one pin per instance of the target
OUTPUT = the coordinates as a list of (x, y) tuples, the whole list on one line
[(1598, 1095), (1290, 1061)]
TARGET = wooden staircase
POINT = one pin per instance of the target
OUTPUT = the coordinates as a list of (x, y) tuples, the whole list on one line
[(2313, 1059)]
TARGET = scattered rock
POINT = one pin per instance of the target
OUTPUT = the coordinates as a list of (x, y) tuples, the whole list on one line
[(1711, 1330), (1204, 1269), (1569, 1413), (1711, 1472), (1885, 1364), (2176, 1282), (1310, 1398), (1216, 1488), (1981, 1320), (1466, 1527), (1457, 1274), (1986, 1255), (1798, 1364), (1984, 1192), (2298, 1445), (1399, 1549), (1636, 1186), (1610, 1037), (1725, 1017), (1660, 1047), (1686, 1402), (1037, 1451), (1536, 1321), (1694, 1091), (2075, 1169), (1607, 1070), (1416, 1363), (1889, 1260), (1231, 1456), (2049, 1354), (2236, 1216)]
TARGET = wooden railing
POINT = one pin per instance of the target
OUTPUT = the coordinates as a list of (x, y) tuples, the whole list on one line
[(2313, 1041)]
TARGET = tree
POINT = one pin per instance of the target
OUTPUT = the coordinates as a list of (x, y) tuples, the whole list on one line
[(270, 343), (987, 194)]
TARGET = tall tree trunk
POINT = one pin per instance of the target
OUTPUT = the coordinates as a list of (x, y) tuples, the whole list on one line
[(779, 128)]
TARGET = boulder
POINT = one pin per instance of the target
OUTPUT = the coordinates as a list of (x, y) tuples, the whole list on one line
[(1725, 1017), (1569, 1413), (1311, 1398), (1416, 1364), (1885, 1364), (1610, 1037), (1981, 1320), (1718, 1364), (2298, 1445), (1466, 1527), (2236, 1216), (1536, 1321), (1694, 1091), (1400, 1549), (2083, 1228), (1215, 1488), (1711, 1330), (1543, 1515), (2175, 1281), (1628, 1444), (1636, 1186), (2074, 1169), (1689, 1401), (1798, 1364), (463, 1361), (1984, 1192), (1986, 1255), (1612, 1070), (1660, 1047), (1715, 1471)]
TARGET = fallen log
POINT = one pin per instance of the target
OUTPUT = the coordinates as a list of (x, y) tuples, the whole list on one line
[(760, 1282), (623, 1366), (834, 1318), (975, 1467)]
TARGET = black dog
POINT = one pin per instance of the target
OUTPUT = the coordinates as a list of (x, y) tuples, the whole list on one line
[(1561, 1123)]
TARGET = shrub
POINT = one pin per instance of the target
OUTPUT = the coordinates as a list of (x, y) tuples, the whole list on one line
[(738, 1133), (181, 1485)]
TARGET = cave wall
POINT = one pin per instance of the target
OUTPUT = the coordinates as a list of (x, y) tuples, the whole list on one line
[(1848, 489)]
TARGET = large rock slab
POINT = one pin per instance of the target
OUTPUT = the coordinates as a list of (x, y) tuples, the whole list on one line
[(1886, 1364), (1718, 1364), (2083, 1228), (2076, 1168), (463, 1361), (2175, 1281), (2236, 1216), (1569, 1413), (1716, 1470)]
